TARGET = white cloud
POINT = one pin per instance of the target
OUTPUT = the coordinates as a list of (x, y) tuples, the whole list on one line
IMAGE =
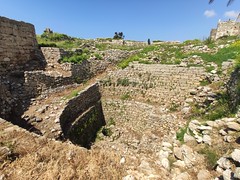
[(231, 14), (210, 13)]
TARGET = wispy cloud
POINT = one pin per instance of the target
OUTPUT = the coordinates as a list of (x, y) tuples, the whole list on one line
[(210, 13), (231, 14)]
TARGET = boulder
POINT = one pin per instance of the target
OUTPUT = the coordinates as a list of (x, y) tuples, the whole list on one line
[(236, 155), (228, 139), (179, 164), (188, 138), (188, 155), (234, 126), (165, 163), (222, 132), (167, 144), (128, 177), (224, 163), (178, 153), (227, 175), (237, 173), (207, 139)]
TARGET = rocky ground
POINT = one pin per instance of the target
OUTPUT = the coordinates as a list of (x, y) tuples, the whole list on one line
[(153, 131)]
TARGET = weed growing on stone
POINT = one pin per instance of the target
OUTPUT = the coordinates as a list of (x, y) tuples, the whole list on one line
[(173, 107), (210, 155), (98, 56), (180, 134), (125, 96), (111, 122), (204, 82), (73, 94)]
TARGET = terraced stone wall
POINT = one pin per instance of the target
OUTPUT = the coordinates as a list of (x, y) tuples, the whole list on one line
[(154, 83), (83, 116)]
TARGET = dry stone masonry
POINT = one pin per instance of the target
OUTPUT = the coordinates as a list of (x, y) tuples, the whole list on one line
[(18, 52), (225, 28), (27, 71), (18, 46), (156, 83)]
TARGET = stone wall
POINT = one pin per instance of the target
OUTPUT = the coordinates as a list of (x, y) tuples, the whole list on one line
[(155, 83), (116, 55), (52, 55), (83, 116), (122, 42), (18, 46), (19, 52), (37, 82), (233, 89), (226, 28)]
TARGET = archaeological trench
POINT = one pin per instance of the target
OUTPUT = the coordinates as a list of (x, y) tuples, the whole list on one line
[(137, 105)]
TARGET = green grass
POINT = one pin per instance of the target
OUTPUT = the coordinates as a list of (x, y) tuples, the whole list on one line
[(72, 94), (220, 109), (214, 111), (107, 46), (222, 55), (124, 63), (204, 83), (111, 122), (98, 56), (211, 156), (77, 59), (125, 96), (180, 134), (194, 42)]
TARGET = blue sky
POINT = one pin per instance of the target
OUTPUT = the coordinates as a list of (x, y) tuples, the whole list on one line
[(137, 19)]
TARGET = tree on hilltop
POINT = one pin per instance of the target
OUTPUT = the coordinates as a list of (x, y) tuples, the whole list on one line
[(229, 2), (118, 35)]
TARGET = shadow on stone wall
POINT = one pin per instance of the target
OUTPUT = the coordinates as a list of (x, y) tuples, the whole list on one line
[(233, 90), (83, 117)]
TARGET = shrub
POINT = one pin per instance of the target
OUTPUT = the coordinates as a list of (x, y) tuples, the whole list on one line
[(195, 41), (107, 131), (75, 58), (98, 56), (124, 63), (56, 36), (224, 54), (211, 156), (111, 122), (47, 45), (220, 109), (180, 134)]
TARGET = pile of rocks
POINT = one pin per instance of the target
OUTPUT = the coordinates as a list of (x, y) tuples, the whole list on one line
[(184, 160)]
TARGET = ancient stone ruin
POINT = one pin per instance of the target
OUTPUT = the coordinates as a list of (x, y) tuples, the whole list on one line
[(27, 71), (225, 28), (96, 121)]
